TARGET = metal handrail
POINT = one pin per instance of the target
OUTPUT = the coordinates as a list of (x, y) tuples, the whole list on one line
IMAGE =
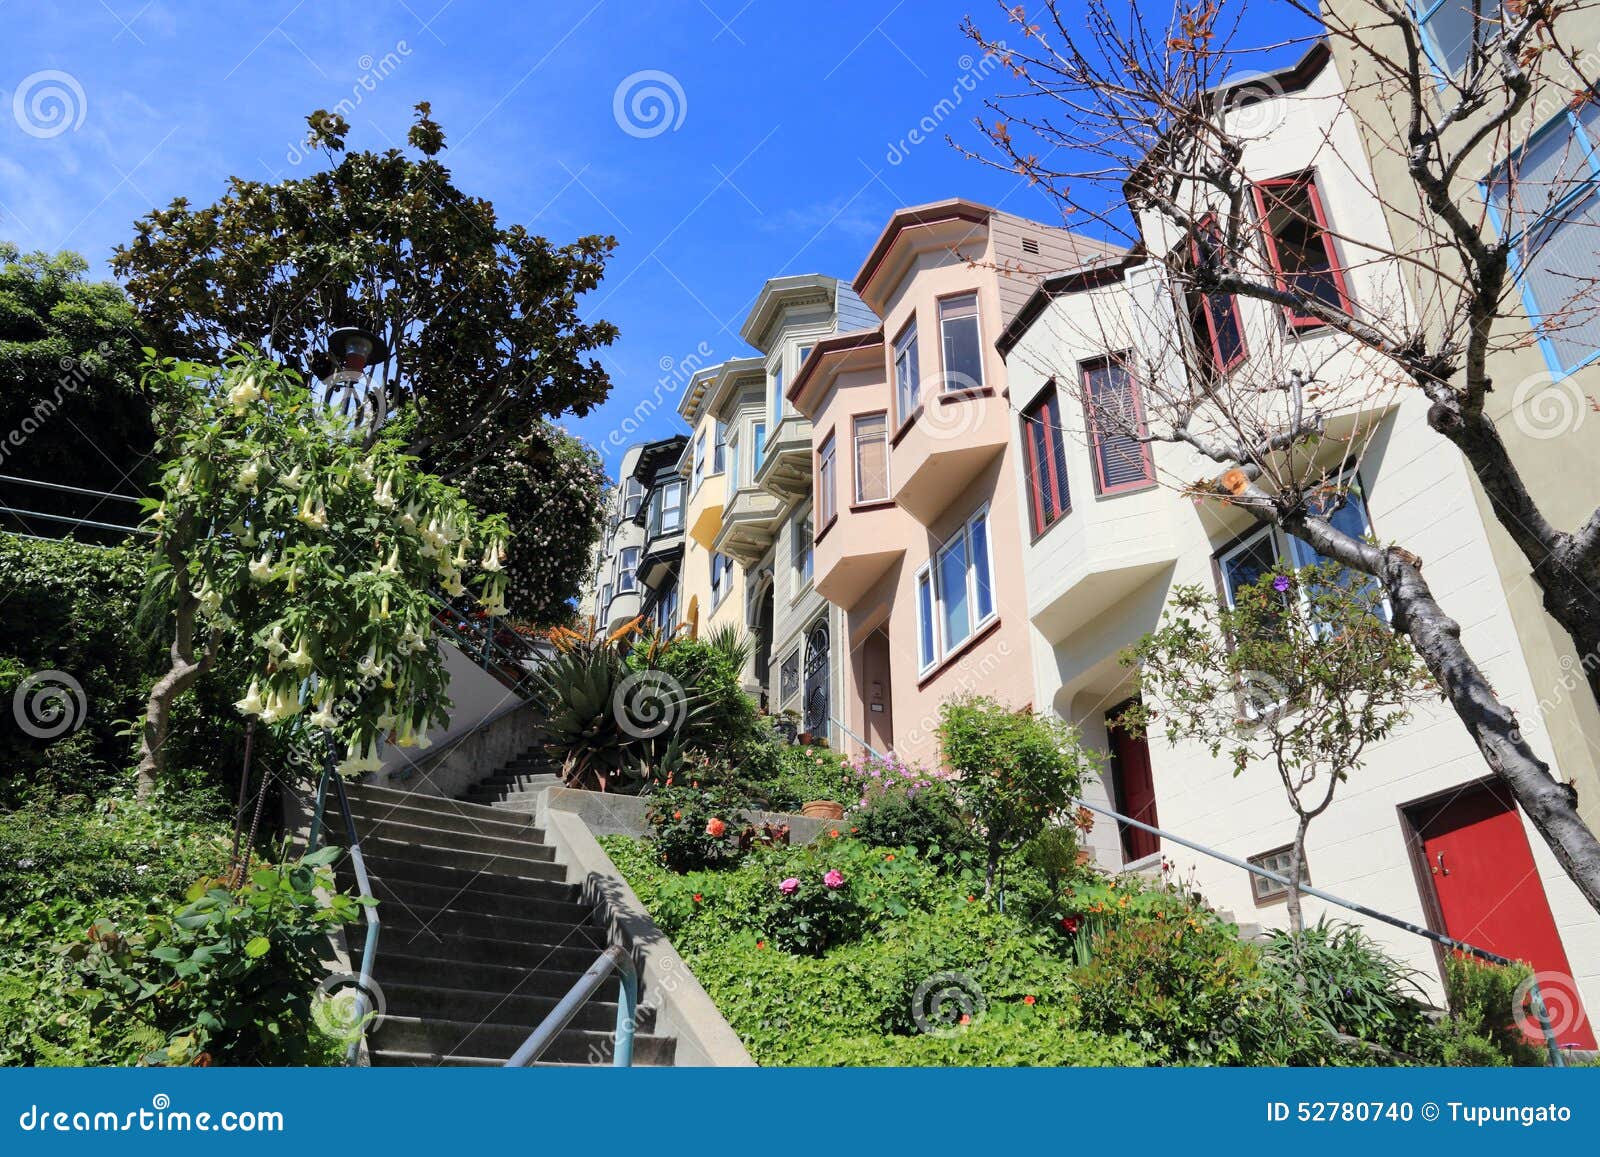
[(1535, 996), (358, 863), (616, 958), (488, 652)]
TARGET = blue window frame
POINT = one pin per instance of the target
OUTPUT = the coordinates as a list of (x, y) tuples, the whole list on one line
[(1546, 202), (1450, 28)]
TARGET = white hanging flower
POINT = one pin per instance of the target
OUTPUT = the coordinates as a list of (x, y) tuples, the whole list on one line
[(252, 703), (369, 665), (249, 474), (294, 478), (261, 568), (323, 716), (244, 394), (300, 657)]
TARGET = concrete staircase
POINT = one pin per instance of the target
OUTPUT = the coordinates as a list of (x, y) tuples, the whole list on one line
[(482, 935), (516, 786)]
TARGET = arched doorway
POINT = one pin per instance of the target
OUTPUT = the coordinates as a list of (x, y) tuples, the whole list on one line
[(763, 653), (817, 706)]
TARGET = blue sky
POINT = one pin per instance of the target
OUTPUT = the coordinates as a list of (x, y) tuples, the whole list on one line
[(786, 150)]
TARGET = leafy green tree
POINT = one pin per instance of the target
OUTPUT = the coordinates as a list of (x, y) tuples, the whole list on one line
[(551, 487), (481, 318), (71, 410), (282, 535), (1303, 673), (1017, 770)]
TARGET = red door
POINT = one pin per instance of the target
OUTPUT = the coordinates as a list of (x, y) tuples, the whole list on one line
[(1132, 787), (1489, 894)]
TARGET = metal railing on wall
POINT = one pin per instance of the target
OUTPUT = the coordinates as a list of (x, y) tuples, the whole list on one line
[(71, 522)]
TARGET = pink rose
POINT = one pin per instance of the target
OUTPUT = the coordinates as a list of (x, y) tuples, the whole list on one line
[(788, 886), (832, 878)]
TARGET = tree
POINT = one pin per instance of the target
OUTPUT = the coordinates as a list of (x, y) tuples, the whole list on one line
[(1016, 771), (70, 405), (481, 319), (1116, 108), (1302, 673), (282, 535), (552, 489)]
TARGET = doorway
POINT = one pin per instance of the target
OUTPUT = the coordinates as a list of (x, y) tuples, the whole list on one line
[(1133, 789), (872, 686), (816, 706), (763, 655), (1474, 857)]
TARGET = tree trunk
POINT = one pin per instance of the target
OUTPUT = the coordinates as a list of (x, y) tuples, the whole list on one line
[(1297, 858), (180, 676), (1551, 805)]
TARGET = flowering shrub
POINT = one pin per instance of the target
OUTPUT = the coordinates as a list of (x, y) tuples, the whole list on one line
[(875, 778), (920, 814), (694, 828), (279, 532)]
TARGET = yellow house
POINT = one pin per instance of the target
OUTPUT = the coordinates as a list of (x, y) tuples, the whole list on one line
[(707, 580)]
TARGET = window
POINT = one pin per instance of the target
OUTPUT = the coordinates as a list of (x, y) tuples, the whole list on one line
[(1259, 552), (1548, 204), (605, 599), (719, 449), (955, 598), (1454, 27), (733, 465), (800, 358), (777, 397), (697, 469), (1121, 457), (1294, 227), (827, 495), (961, 343), (804, 537), (1046, 459), (905, 372), (757, 441), (872, 457), (789, 676), (1278, 861), (1214, 317), (632, 496), (666, 609), (667, 508), (721, 577), (627, 569)]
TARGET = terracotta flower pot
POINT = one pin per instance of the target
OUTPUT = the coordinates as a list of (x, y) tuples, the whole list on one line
[(822, 809)]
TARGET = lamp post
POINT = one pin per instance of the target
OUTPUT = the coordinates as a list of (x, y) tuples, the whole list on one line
[(351, 357)]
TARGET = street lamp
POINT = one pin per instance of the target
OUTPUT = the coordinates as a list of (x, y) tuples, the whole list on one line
[(351, 352)]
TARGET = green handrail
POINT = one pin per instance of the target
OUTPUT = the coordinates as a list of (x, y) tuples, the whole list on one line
[(613, 959)]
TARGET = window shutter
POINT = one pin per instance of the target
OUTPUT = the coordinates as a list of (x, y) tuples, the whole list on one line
[(1121, 460)]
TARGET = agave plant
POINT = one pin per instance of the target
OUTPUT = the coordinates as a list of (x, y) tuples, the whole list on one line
[(610, 721)]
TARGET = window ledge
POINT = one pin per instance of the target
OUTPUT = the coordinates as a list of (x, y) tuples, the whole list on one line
[(822, 531), (874, 504), (905, 427), (950, 397), (1040, 537), (939, 668)]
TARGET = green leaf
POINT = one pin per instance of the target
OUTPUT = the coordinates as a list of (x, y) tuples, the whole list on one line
[(257, 947)]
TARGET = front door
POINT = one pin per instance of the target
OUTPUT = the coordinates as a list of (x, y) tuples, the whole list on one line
[(1489, 895), (877, 707), (1133, 788), (816, 692)]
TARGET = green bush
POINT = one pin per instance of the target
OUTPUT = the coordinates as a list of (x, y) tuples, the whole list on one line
[(1347, 983), (117, 945), (1483, 1003), (1042, 1039), (695, 828), (926, 818)]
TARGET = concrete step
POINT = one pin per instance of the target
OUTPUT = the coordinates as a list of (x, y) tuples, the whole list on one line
[(489, 845), (451, 1038), (549, 981), (371, 817), (426, 899), (403, 873), (508, 1007), (442, 855), (434, 803), (446, 951), (449, 923)]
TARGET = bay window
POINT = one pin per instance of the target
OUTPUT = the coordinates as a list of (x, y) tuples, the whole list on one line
[(627, 569), (955, 594), (1214, 317), (1122, 459), (1294, 228), (827, 498), (961, 342), (697, 467), (1045, 457), (906, 384), (871, 432)]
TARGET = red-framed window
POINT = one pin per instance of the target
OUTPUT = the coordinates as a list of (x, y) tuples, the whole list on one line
[(1294, 229), (1046, 457), (1122, 459), (1214, 317)]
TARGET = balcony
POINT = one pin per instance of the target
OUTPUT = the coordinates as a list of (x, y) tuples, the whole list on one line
[(858, 549), (623, 607), (785, 469), (749, 524), (1097, 557), (947, 444)]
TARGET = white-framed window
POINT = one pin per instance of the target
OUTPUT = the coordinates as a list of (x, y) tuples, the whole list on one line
[(776, 380), (734, 480), (758, 440), (721, 577), (1279, 861), (871, 434), (955, 591), (697, 465), (628, 569), (719, 448), (961, 343), (1547, 204), (827, 482), (671, 507), (1262, 550), (905, 372), (800, 356), (666, 609), (605, 598), (803, 539), (632, 496)]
